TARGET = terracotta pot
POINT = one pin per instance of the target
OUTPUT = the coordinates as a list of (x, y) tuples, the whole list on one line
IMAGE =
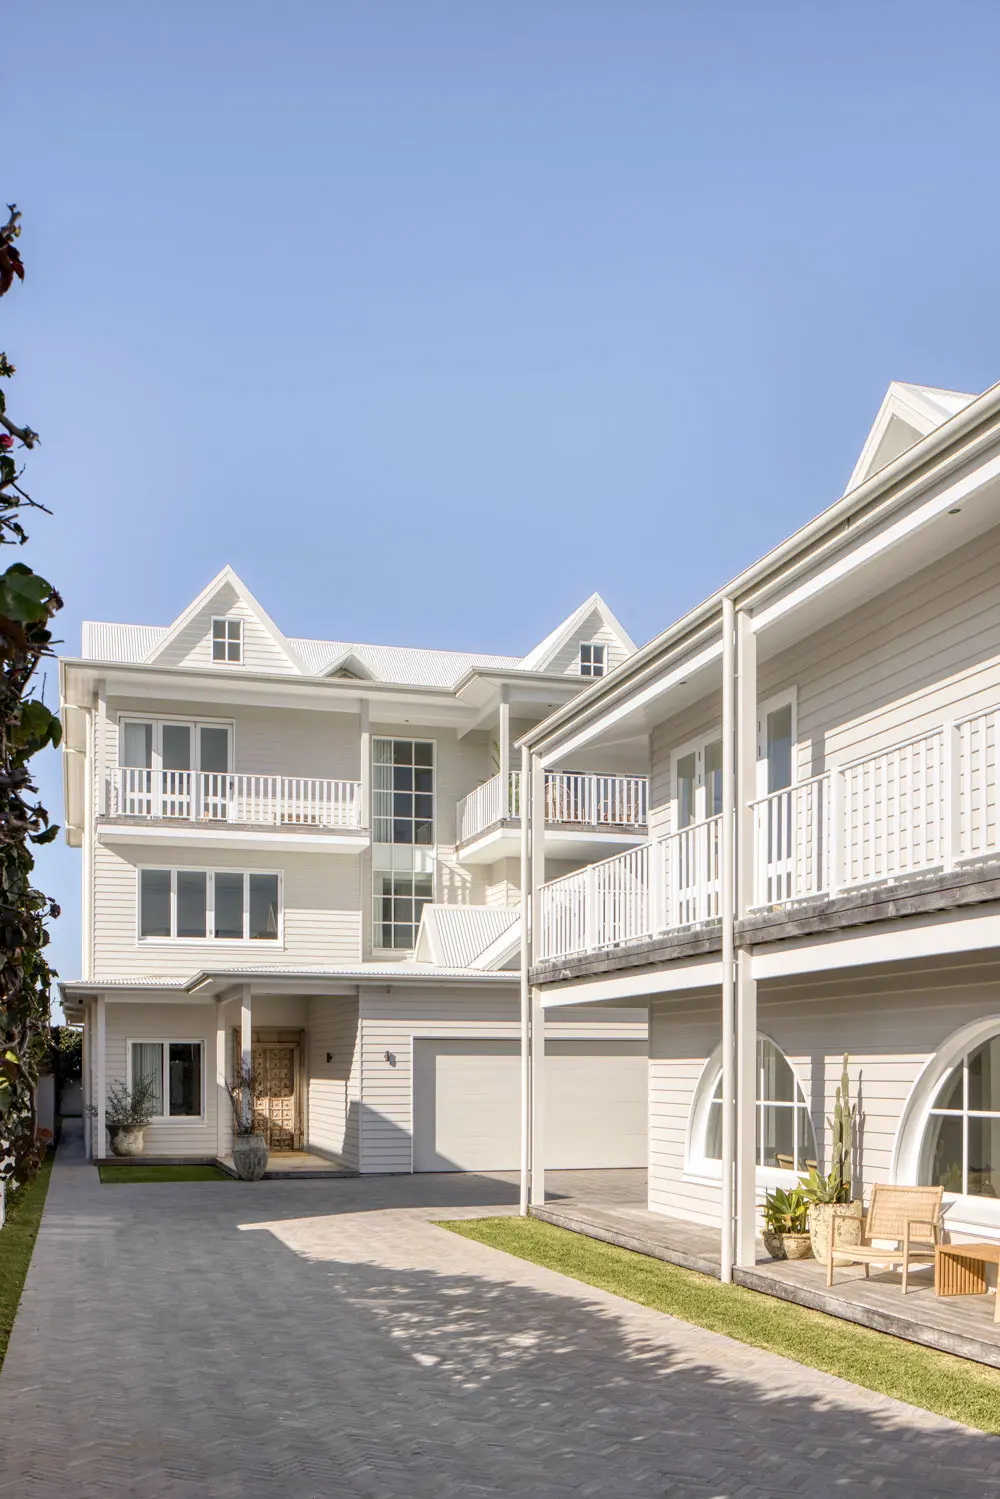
[(787, 1246), (126, 1139), (250, 1155), (821, 1217)]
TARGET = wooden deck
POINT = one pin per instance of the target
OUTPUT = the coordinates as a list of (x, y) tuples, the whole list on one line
[(962, 1325)]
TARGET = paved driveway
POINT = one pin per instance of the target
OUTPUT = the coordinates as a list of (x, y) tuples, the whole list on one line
[(300, 1339)]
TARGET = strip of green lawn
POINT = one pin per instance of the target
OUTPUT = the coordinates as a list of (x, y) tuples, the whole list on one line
[(17, 1240), (113, 1175), (938, 1382)]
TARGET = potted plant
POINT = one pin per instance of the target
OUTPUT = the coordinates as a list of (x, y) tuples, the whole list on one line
[(126, 1114), (250, 1152), (785, 1236), (829, 1197)]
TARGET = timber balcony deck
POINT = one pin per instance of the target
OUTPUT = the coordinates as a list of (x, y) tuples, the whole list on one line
[(961, 1325)]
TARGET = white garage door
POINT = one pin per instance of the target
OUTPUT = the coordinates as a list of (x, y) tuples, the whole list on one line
[(467, 1104)]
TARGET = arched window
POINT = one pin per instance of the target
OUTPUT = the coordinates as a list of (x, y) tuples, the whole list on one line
[(960, 1150), (785, 1135)]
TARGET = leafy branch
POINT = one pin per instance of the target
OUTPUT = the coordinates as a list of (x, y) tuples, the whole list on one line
[(27, 605)]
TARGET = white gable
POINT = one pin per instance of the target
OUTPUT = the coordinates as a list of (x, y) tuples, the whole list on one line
[(908, 413), (188, 641), (593, 622)]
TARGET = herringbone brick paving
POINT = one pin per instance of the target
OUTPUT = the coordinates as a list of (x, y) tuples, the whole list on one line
[(321, 1338)]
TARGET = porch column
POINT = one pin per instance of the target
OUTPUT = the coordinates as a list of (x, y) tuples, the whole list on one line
[(534, 802), (727, 913), (86, 1081), (246, 1041), (525, 988), (506, 807), (746, 985), (100, 1147), (364, 811), (222, 1106)]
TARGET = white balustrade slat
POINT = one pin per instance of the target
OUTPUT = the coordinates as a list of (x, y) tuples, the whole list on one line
[(581, 799), (222, 796)]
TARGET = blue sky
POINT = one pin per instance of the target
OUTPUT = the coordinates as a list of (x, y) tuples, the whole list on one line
[(431, 318)]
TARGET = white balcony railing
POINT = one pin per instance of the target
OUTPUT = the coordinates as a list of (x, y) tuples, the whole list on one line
[(924, 804), (581, 799), (215, 796)]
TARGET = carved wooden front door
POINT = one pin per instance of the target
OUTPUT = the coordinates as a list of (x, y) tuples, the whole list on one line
[(275, 1065)]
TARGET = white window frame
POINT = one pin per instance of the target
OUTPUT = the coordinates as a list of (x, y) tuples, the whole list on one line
[(428, 851), (194, 724), (174, 870), (696, 747), (965, 1214), (698, 1165), (786, 699), (227, 620), (592, 646), (166, 1042)]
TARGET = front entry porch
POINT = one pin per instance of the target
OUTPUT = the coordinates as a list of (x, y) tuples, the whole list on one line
[(617, 1214)]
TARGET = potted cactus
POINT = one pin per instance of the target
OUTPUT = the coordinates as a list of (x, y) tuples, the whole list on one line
[(829, 1197), (785, 1236)]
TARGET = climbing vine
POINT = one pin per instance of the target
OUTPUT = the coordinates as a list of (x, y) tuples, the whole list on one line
[(27, 604)]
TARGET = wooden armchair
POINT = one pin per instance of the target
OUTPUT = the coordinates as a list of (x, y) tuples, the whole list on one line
[(907, 1219)]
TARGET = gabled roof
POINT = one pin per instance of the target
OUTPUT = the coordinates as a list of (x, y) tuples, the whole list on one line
[(545, 652), (907, 414), (226, 579), (459, 936)]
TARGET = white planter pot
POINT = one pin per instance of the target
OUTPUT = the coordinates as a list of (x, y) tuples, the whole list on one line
[(126, 1141), (250, 1155)]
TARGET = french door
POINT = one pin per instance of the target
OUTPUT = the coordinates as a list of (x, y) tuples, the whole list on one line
[(173, 769), (695, 849)]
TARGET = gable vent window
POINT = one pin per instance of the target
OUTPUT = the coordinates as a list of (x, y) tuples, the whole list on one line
[(593, 660), (227, 640)]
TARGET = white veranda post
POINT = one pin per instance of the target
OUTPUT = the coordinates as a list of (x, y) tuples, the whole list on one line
[(525, 993), (537, 832), (746, 984), (246, 1046)]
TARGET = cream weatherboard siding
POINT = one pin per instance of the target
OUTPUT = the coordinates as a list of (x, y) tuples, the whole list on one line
[(567, 659), (334, 1086), (890, 1024), (321, 913), (266, 741), (390, 1022), (920, 654), (503, 883), (193, 644), (128, 1022)]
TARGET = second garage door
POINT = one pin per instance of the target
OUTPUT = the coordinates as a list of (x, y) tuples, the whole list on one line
[(467, 1104)]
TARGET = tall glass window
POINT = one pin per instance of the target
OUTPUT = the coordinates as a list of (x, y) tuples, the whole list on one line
[(403, 836), (961, 1145)]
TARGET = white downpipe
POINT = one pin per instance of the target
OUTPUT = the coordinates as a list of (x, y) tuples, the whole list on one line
[(727, 911), (525, 987)]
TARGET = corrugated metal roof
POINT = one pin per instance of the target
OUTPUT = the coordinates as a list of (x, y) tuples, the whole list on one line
[(454, 936), (378, 971), (402, 665)]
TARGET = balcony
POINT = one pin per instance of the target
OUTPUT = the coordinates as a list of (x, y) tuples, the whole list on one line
[(926, 805), (585, 815), (204, 808)]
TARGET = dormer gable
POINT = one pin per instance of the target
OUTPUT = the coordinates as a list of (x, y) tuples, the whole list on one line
[(908, 413), (590, 643), (225, 628), (349, 664)]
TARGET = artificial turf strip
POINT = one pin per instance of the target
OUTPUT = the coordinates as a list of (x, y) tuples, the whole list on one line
[(17, 1240), (112, 1175), (939, 1382)]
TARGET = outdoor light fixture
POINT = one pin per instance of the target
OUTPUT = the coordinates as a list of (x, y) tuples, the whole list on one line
[(957, 510), (390, 1058), (329, 1056)]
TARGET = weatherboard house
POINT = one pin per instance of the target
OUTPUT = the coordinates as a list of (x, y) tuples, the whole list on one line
[(821, 874), (307, 853)]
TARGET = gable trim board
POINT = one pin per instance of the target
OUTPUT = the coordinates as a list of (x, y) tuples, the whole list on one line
[(224, 579)]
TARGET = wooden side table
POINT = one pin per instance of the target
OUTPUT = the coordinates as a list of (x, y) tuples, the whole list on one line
[(960, 1270)]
